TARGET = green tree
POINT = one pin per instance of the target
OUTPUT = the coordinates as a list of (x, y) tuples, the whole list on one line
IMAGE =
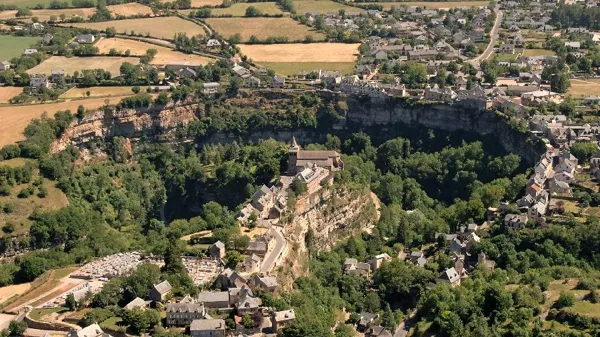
[(71, 303), (252, 11)]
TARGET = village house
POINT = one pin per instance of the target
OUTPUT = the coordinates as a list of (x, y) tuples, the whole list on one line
[(213, 43), (251, 82), (231, 279), (440, 95), (263, 283), (182, 314), (507, 49), (252, 263), (30, 51), (261, 245), (515, 221), (160, 291), (559, 187), (5, 65), (57, 75), (136, 303), (85, 38), (207, 328), (353, 267), (277, 82), (186, 73), (214, 299), (378, 260), (210, 88), (314, 176), (39, 81), (217, 250), (451, 276), (93, 330), (47, 39), (282, 319)]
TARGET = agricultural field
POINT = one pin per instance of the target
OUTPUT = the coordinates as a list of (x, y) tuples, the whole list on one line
[(239, 9), (45, 14), (433, 5), (130, 9), (42, 286), (538, 52), (301, 52), (138, 48), (322, 6), (16, 118), (97, 92), (13, 46), (12, 291), (293, 68), (7, 93), (28, 3), (72, 64), (263, 28), (161, 27), (581, 88)]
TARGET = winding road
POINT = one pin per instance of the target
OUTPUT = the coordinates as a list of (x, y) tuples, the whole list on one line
[(272, 256), (493, 37)]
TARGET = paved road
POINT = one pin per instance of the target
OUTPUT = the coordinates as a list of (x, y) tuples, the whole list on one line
[(405, 325), (493, 37), (271, 257)]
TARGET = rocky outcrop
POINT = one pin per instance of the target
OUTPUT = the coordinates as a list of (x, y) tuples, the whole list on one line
[(130, 123), (382, 118), (387, 115), (331, 215)]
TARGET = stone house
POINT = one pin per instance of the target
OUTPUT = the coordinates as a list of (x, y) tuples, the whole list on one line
[(559, 187), (217, 250), (186, 73), (214, 299), (251, 82), (57, 74), (213, 43), (264, 283), (277, 82), (378, 260), (160, 291), (210, 88), (207, 328), (93, 330), (282, 319), (39, 81), (136, 303), (261, 245), (85, 38), (450, 276), (5, 65), (515, 220), (182, 314), (252, 263), (507, 48)]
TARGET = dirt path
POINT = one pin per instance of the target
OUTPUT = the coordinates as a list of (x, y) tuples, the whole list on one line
[(377, 204)]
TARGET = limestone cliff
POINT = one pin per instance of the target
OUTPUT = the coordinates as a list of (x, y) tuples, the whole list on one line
[(324, 218), (381, 117)]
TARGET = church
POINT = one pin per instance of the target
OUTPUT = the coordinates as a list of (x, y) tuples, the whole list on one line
[(300, 159)]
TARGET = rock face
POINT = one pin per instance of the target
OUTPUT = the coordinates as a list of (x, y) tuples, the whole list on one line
[(129, 123), (386, 114), (331, 215), (380, 117)]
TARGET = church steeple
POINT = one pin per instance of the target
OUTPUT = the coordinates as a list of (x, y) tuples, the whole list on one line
[(294, 147)]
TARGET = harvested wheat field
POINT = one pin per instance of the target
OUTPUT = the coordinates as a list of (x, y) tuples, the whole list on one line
[(301, 52), (72, 64), (239, 9), (263, 28), (323, 6), (201, 3), (138, 48), (97, 92), (446, 5), (130, 9), (45, 14), (161, 27), (9, 292), (7, 93), (14, 119)]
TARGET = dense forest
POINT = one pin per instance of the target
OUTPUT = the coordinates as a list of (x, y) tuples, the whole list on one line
[(576, 16)]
